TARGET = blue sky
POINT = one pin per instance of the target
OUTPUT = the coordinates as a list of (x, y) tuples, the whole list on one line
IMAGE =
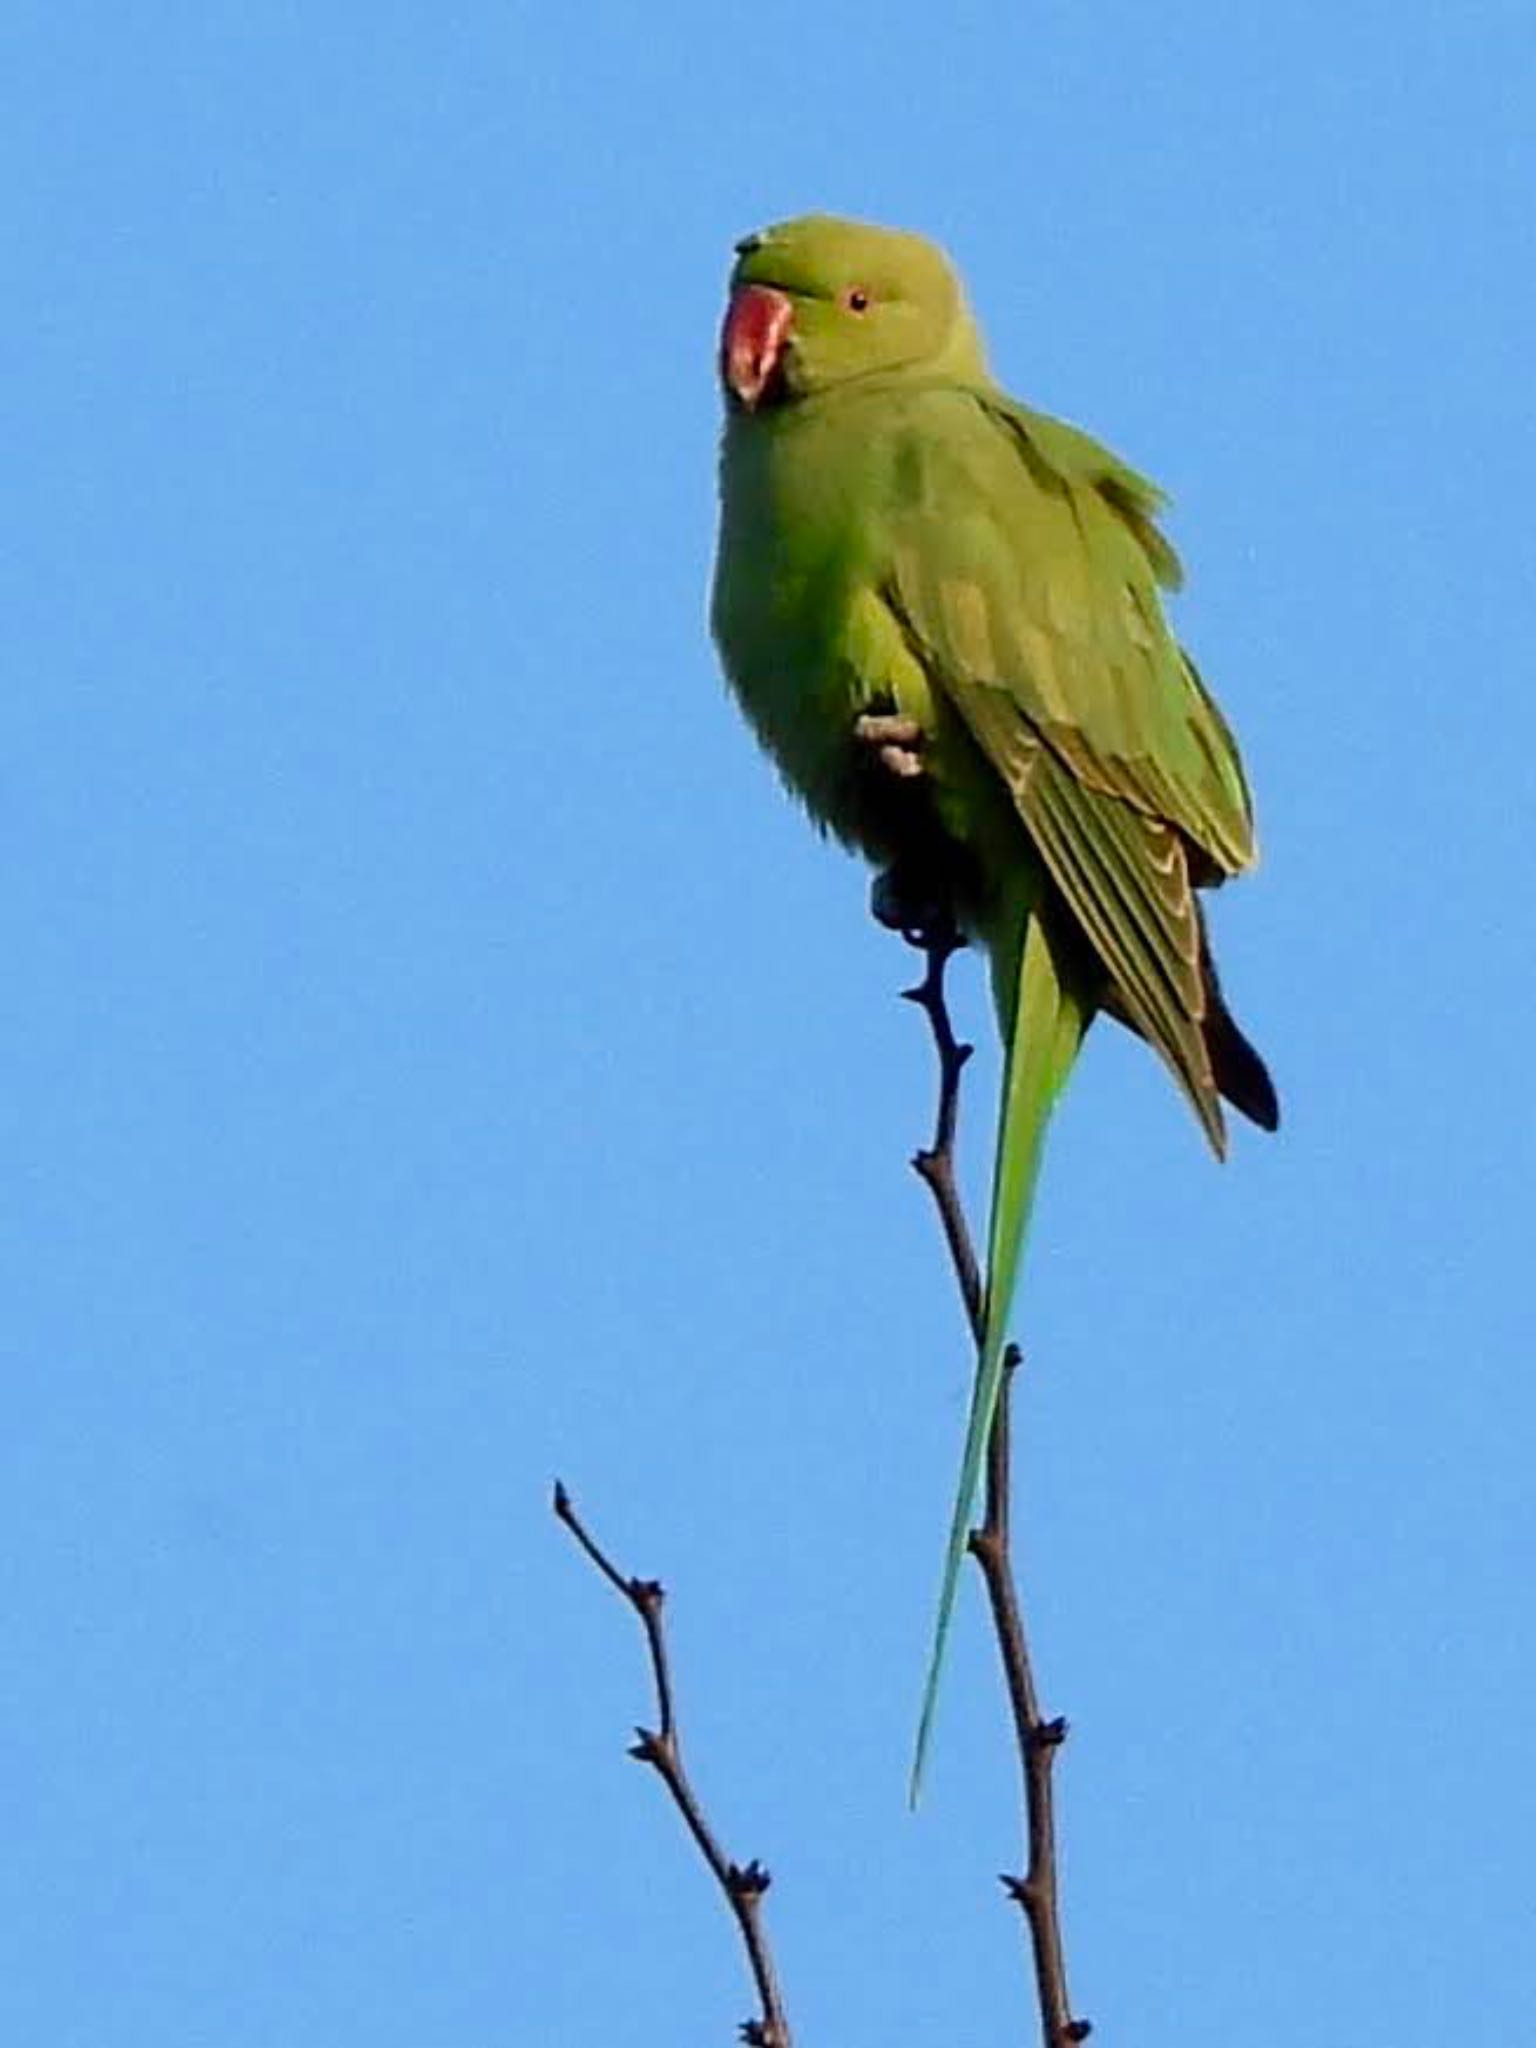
[(435, 1056)]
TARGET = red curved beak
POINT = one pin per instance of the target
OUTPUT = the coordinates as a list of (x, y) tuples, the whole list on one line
[(752, 340)]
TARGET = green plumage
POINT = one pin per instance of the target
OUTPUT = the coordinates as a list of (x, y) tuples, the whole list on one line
[(899, 537)]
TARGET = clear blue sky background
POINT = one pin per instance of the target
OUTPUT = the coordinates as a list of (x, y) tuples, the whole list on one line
[(434, 1055)]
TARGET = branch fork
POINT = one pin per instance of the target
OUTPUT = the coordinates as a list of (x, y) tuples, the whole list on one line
[(1039, 1739)]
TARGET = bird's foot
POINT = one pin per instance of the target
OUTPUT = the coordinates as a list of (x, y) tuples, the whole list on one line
[(908, 902), (896, 740)]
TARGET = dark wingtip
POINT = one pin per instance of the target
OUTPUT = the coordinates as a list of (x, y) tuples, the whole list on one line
[(1241, 1075)]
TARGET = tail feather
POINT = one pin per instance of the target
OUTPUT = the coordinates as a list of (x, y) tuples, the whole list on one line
[(1044, 1014)]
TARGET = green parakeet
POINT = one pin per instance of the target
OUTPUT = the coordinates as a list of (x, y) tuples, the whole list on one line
[(940, 611)]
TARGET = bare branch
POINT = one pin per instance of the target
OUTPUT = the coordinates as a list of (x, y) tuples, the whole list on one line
[(1038, 1739), (743, 1884)]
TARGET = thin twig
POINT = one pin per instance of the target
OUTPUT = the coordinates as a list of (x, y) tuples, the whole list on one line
[(935, 1164), (1038, 1739), (743, 1884), (1036, 1892)]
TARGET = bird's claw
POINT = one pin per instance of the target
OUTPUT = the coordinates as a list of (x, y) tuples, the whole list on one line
[(896, 739)]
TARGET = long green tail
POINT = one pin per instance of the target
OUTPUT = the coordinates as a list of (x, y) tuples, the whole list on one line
[(1048, 1016)]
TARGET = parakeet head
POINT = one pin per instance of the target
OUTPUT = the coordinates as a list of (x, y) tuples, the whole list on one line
[(819, 302)]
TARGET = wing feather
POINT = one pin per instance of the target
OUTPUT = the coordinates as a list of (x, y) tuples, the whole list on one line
[(1025, 569)]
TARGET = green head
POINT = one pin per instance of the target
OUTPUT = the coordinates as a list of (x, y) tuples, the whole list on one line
[(819, 302)]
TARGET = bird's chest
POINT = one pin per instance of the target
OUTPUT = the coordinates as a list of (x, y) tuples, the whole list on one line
[(805, 639)]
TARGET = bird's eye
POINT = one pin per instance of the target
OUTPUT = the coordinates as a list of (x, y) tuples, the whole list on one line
[(856, 300)]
